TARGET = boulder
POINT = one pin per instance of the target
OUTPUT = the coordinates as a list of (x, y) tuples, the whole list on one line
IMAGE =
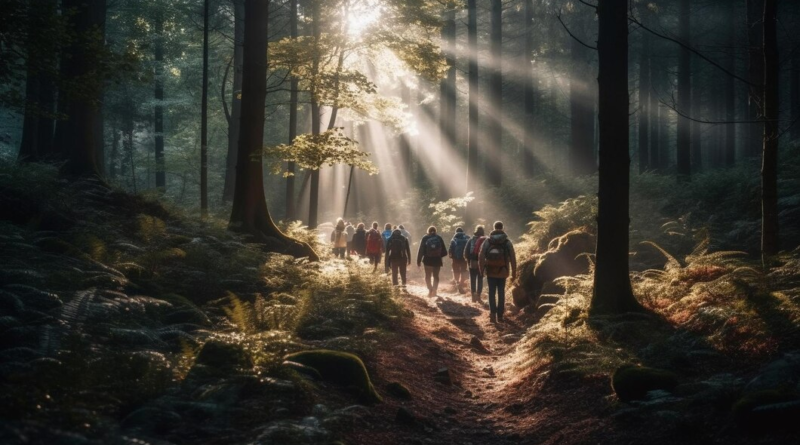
[(768, 410), (781, 373), (341, 368), (398, 390), (631, 382), (443, 376)]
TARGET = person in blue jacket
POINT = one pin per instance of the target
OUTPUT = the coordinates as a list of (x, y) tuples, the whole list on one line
[(456, 253)]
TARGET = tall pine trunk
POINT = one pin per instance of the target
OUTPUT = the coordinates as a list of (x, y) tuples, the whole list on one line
[(316, 124), (755, 37), (447, 96), (612, 286), (250, 214), (644, 102), (493, 158), (697, 127), (529, 95), (204, 120), (684, 166), (581, 97), (291, 208), (730, 89), (473, 130), (794, 85), (236, 102), (158, 115), (769, 168)]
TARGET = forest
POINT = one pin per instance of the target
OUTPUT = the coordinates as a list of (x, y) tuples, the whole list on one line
[(211, 211)]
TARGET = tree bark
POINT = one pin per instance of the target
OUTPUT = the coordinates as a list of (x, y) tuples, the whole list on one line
[(529, 94), (250, 214), (581, 152), (612, 286), (697, 127), (291, 210), (447, 97), (158, 116), (794, 85), (236, 101), (644, 102), (495, 125), (684, 166), (473, 130), (730, 89), (204, 120), (313, 201), (769, 168), (755, 36)]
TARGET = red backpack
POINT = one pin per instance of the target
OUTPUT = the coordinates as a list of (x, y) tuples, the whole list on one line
[(476, 251), (374, 242)]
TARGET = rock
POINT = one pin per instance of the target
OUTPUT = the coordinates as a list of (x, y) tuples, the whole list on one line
[(398, 391), (781, 373), (404, 416), (477, 344), (320, 410), (468, 394), (489, 371), (511, 338), (303, 369), (768, 410), (341, 368), (443, 376), (632, 382)]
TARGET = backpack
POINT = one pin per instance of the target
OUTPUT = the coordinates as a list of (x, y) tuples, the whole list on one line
[(496, 254), (374, 242), (461, 244), (476, 248), (434, 247), (395, 248)]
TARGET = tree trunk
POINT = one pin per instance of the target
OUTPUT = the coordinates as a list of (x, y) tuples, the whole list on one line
[(447, 98), (79, 64), (769, 168), (250, 214), (581, 151), (495, 126), (794, 85), (291, 211), (684, 166), (204, 120), (697, 127), (313, 201), (730, 89), (98, 122), (644, 102), (529, 93), (755, 36), (113, 157), (236, 102), (158, 118), (473, 130), (612, 286), (656, 76)]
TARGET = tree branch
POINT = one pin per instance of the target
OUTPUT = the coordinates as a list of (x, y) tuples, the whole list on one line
[(558, 16)]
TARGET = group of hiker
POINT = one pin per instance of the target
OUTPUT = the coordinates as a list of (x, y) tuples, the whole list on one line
[(477, 256)]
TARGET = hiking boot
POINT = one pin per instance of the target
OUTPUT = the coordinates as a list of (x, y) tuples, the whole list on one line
[(492, 318), (499, 318)]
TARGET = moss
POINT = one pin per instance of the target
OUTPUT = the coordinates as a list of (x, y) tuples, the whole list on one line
[(767, 410), (631, 382), (341, 368)]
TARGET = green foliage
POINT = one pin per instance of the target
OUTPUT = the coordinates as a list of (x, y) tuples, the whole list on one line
[(447, 215), (553, 221), (311, 152)]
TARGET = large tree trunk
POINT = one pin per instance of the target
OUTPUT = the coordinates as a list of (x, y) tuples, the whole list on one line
[(316, 124), (158, 117), (769, 167), (447, 96), (529, 94), (644, 102), (236, 101), (684, 165), (795, 93), (250, 214), (494, 156), (581, 98), (612, 286), (291, 209), (755, 37), (204, 120), (730, 89), (697, 127), (473, 130), (98, 122)]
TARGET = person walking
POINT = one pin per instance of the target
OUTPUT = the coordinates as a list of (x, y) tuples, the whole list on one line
[(471, 254), (497, 254), (405, 233), (350, 231), (385, 235), (456, 253), (360, 240), (398, 255), (374, 246), (339, 239), (431, 251)]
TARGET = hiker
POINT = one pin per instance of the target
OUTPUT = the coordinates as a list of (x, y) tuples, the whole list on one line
[(374, 246), (405, 233), (431, 251), (497, 253), (398, 255), (471, 254), (360, 240), (339, 239), (350, 231), (385, 235), (456, 252)]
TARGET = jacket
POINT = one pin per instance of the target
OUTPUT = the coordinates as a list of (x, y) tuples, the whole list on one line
[(350, 231), (406, 234), (498, 237), (385, 236), (426, 260), (472, 259), (405, 250), (339, 238), (360, 241), (459, 236)]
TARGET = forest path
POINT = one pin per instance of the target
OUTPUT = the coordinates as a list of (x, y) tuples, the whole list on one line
[(478, 405)]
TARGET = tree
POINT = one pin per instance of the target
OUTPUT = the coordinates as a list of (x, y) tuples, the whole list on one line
[(755, 37), (236, 99), (447, 95), (204, 120), (473, 80), (495, 126), (158, 111), (644, 97), (684, 94), (612, 291), (769, 167), (529, 93), (250, 214), (581, 98), (730, 88), (291, 213)]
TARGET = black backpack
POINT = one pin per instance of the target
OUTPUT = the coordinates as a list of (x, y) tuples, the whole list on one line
[(434, 247), (396, 248)]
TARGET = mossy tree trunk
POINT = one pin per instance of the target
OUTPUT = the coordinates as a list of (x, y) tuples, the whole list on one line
[(250, 214)]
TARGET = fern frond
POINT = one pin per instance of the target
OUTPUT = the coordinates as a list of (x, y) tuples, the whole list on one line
[(672, 262)]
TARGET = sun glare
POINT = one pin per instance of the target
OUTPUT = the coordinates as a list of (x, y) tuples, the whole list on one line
[(362, 18)]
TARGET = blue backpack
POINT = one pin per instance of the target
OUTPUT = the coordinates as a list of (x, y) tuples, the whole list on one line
[(434, 248), (461, 244)]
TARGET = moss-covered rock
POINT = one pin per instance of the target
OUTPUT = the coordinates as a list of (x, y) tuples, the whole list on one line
[(768, 410), (341, 368), (631, 382)]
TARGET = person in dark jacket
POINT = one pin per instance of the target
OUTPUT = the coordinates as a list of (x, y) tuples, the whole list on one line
[(497, 261), (360, 240), (387, 232), (398, 255), (431, 251), (456, 253), (471, 254)]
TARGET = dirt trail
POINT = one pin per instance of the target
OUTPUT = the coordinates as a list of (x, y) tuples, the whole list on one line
[(448, 331)]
